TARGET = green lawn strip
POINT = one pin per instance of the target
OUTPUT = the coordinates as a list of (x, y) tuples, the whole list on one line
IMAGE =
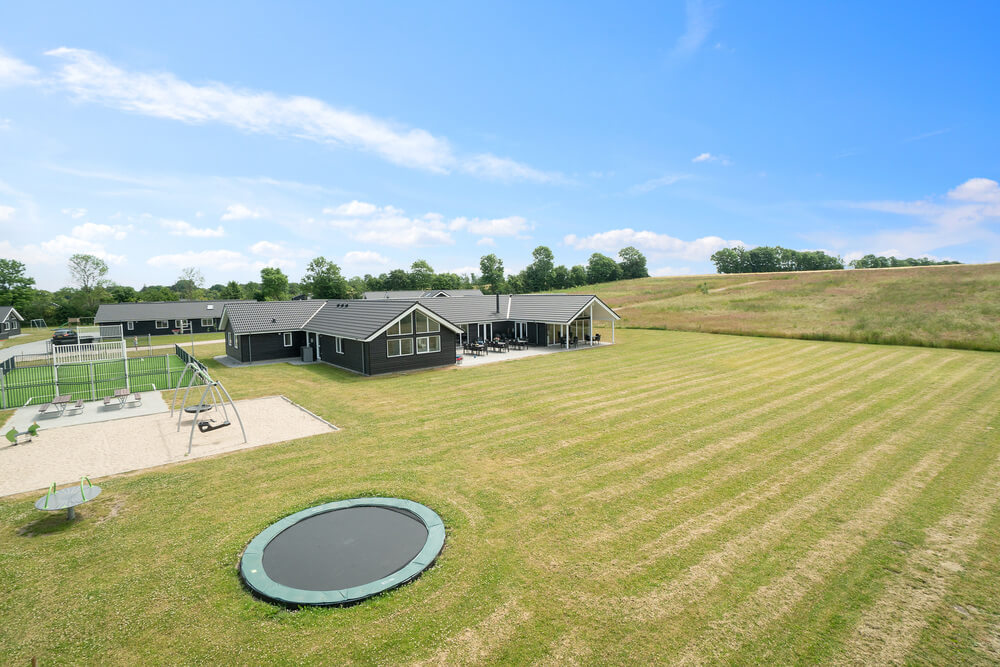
[(515, 457)]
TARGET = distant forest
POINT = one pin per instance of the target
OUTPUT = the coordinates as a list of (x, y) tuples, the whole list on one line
[(93, 286), (767, 259)]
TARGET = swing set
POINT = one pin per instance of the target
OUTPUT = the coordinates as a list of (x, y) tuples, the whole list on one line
[(217, 396)]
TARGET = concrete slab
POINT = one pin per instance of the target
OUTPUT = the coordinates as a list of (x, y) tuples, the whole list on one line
[(93, 412), (494, 357)]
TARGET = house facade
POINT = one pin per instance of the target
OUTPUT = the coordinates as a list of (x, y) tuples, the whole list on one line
[(10, 322), (158, 318), (366, 337), (378, 336)]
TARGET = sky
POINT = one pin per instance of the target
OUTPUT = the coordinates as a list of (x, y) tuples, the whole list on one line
[(233, 136)]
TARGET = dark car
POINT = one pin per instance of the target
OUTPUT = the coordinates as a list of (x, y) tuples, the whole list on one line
[(69, 337)]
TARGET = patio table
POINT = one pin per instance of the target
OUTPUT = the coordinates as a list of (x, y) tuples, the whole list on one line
[(61, 402)]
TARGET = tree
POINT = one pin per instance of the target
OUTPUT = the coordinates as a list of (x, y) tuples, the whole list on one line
[(88, 272), (421, 275), (560, 277), (124, 294), (602, 269), (273, 283), (15, 285), (633, 263), (231, 291), (491, 267), (397, 279), (446, 281), (157, 293), (538, 274), (323, 280), (578, 276), (190, 282)]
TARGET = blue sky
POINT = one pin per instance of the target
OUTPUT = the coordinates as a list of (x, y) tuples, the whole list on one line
[(235, 136)]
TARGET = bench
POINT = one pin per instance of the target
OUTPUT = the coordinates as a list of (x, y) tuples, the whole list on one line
[(45, 407), (107, 400), (137, 397)]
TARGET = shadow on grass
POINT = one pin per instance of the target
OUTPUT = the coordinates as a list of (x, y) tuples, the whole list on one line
[(53, 524)]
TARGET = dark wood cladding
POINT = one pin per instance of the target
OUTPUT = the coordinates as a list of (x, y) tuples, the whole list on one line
[(264, 346), (15, 327), (380, 362), (233, 352), (352, 358), (144, 327)]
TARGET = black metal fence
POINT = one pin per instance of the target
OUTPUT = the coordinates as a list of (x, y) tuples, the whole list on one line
[(187, 358)]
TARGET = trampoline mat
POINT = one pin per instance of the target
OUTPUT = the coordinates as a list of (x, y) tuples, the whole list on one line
[(344, 548)]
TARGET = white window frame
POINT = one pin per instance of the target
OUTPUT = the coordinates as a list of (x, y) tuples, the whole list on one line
[(229, 338), (210, 320), (165, 323), (431, 322), (427, 342), (236, 341), (130, 326), (286, 339), (339, 344), (396, 329), (401, 342), (182, 324)]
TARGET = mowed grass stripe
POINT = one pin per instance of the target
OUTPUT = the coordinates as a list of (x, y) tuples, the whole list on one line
[(800, 456), (518, 581)]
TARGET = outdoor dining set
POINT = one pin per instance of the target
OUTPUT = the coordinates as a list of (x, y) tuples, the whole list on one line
[(497, 344)]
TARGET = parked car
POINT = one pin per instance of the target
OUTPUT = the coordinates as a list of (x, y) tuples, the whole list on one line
[(70, 337)]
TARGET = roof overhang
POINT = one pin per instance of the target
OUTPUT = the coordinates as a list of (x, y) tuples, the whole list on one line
[(15, 313), (603, 306)]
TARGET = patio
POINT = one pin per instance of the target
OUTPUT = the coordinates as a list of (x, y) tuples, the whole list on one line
[(530, 351)]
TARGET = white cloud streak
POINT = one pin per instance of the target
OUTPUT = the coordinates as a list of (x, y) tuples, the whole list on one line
[(657, 183), (514, 225), (240, 212), (7, 213), (184, 228), (699, 21), (661, 245), (15, 72)]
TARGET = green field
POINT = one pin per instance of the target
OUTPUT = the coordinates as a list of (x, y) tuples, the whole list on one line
[(676, 496), (938, 306), (41, 383)]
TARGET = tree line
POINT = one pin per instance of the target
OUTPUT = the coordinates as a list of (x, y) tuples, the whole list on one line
[(322, 280), (766, 259)]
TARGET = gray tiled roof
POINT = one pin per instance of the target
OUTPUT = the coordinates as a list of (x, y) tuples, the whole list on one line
[(420, 294), (554, 308), (270, 316), (6, 311), (160, 310)]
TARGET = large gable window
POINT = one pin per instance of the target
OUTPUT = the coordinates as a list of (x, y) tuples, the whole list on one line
[(399, 347), (402, 327), (425, 324)]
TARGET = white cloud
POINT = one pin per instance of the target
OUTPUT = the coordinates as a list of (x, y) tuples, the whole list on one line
[(504, 169), (14, 71), (279, 250), (660, 244), (240, 212), (5, 124), (486, 241), (365, 258), (670, 271), (63, 246), (184, 228), (6, 213), (965, 216), (708, 157), (75, 212), (656, 183), (465, 270), (511, 226), (390, 226), (92, 78), (90, 231), (354, 208), (700, 17), (217, 260)]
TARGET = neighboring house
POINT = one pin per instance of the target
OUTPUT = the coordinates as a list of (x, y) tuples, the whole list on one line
[(389, 335), (420, 294), (10, 322), (367, 337), (163, 317)]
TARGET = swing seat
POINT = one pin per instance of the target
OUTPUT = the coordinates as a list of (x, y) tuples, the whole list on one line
[(210, 425)]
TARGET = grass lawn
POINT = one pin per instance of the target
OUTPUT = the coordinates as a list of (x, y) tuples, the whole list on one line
[(941, 306), (170, 339), (29, 336), (676, 496)]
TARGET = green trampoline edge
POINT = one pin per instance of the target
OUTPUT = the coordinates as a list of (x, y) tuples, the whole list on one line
[(252, 572)]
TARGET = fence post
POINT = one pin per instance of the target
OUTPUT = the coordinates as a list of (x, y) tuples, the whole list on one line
[(170, 383), (55, 381), (93, 385), (3, 391)]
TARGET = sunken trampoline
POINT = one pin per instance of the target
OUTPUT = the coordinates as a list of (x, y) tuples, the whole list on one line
[(342, 552)]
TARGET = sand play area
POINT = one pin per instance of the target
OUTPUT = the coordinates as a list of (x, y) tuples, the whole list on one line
[(64, 454)]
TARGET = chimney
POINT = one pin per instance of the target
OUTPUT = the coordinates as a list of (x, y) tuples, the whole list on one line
[(498, 303)]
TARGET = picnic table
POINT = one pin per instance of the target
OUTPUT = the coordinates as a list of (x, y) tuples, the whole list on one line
[(60, 403), (122, 396)]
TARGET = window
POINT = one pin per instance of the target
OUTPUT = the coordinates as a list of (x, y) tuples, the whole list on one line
[(425, 324), (428, 344), (229, 337), (236, 341), (399, 347), (287, 339), (130, 326), (401, 328), (162, 324), (340, 344), (207, 322), (182, 324)]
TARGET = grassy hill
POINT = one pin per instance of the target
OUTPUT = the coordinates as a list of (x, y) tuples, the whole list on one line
[(936, 306)]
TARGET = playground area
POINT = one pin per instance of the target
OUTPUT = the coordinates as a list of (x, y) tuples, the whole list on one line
[(97, 449)]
